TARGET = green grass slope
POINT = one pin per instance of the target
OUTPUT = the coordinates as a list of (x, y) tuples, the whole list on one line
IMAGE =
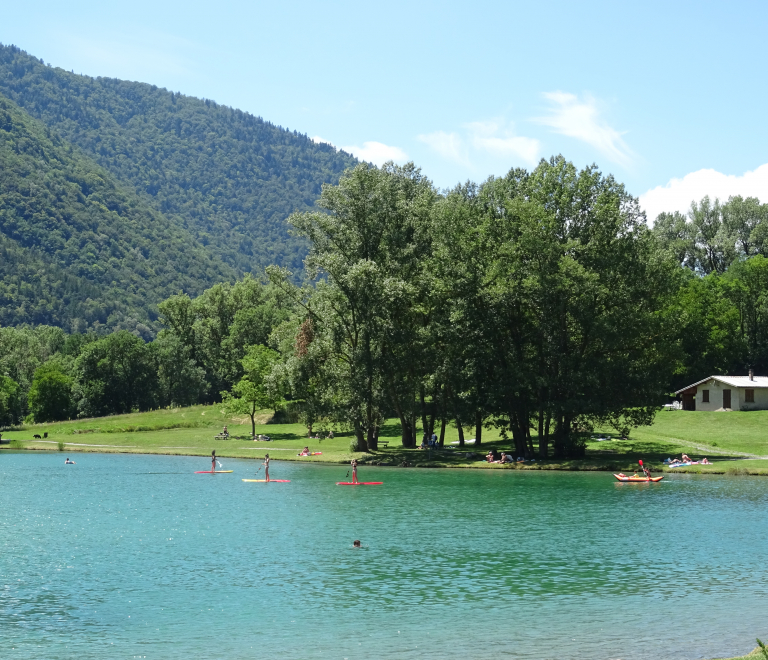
[(191, 431), (229, 177), (80, 250)]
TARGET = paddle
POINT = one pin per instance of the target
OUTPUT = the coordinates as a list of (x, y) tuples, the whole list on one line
[(646, 472)]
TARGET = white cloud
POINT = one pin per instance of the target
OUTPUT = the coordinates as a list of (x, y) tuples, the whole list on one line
[(678, 194), (377, 153), (449, 145), (484, 137), (494, 138), (320, 140), (580, 119)]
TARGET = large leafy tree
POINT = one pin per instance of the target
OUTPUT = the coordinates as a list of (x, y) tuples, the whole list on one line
[(115, 374), (369, 250), (50, 396)]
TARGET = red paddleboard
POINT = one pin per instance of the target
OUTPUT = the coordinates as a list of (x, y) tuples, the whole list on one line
[(312, 453), (217, 472), (359, 483)]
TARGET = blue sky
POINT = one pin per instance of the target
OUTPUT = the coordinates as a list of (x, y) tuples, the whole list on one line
[(670, 97)]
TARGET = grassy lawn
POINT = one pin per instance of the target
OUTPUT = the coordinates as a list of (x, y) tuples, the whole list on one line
[(734, 441)]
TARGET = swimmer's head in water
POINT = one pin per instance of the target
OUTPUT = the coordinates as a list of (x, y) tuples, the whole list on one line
[(356, 544)]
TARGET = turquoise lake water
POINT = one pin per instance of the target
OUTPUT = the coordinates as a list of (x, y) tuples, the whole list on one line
[(129, 556)]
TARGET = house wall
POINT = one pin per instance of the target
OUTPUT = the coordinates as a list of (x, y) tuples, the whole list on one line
[(737, 397)]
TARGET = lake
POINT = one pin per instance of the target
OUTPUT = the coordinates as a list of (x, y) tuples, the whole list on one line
[(130, 556)]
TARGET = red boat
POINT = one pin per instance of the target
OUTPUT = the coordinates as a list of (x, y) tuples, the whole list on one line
[(636, 480)]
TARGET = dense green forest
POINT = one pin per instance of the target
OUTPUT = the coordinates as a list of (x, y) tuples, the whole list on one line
[(80, 251), (229, 178)]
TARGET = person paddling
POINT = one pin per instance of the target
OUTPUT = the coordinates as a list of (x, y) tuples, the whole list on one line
[(645, 470), (68, 462), (266, 466), (354, 470), (213, 461)]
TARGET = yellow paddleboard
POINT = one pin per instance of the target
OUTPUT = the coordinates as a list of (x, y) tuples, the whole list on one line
[(271, 481)]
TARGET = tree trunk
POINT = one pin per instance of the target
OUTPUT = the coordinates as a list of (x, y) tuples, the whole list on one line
[(478, 428), (424, 414), (361, 444), (373, 438), (461, 432), (542, 439), (529, 451), (442, 433), (518, 434)]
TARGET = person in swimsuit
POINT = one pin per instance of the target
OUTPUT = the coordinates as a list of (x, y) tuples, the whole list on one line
[(686, 459), (354, 470), (356, 544), (266, 466), (304, 452), (213, 461), (68, 462)]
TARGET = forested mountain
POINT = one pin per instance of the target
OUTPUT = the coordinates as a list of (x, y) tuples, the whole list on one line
[(78, 250), (230, 178)]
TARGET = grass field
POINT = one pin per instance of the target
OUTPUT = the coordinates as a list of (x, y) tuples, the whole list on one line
[(736, 442)]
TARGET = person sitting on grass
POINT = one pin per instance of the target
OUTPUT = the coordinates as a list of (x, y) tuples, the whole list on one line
[(505, 458), (686, 459), (304, 452), (704, 461)]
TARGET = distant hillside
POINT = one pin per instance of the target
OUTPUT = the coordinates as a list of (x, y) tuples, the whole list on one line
[(230, 178), (77, 250)]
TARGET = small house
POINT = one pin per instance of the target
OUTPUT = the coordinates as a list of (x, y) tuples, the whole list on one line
[(727, 393)]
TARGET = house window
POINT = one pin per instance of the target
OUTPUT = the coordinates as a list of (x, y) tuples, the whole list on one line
[(749, 396), (705, 396)]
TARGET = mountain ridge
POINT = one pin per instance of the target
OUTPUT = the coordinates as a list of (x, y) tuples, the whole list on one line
[(229, 177)]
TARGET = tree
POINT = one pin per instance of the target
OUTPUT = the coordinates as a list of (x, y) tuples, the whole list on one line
[(254, 391), (180, 381), (115, 375), (50, 396), (10, 402), (371, 245)]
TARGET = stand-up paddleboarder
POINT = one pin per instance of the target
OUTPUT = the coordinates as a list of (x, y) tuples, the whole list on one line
[(213, 461), (266, 467), (354, 470)]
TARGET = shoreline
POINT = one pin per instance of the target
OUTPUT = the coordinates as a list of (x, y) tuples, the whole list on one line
[(377, 459)]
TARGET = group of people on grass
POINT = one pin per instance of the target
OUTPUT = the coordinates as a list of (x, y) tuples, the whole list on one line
[(685, 460), (493, 456)]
